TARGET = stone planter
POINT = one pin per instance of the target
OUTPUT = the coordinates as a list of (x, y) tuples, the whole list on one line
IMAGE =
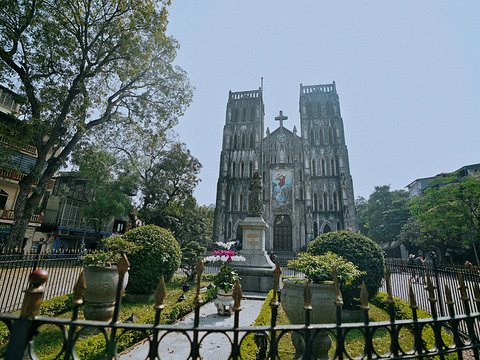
[(323, 312), (101, 291), (224, 302)]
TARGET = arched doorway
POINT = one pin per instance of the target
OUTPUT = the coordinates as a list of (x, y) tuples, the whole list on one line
[(326, 229), (282, 233)]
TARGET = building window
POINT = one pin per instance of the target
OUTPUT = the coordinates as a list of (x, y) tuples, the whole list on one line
[(332, 166), (314, 167), (235, 115), (335, 201), (241, 203), (312, 137), (330, 136), (315, 201), (235, 141), (319, 109), (325, 201), (234, 169), (251, 140), (229, 230), (324, 167), (301, 193), (300, 173), (3, 199), (244, 145), (242, 169), (320, 136), (250, 169)]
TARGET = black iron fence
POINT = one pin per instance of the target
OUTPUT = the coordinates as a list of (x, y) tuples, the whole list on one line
[(15, 268), (427, 338)]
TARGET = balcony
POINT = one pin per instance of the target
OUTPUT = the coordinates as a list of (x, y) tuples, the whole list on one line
[(10, 214)]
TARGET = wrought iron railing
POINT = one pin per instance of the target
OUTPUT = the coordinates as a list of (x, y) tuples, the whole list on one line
[(23, 327)]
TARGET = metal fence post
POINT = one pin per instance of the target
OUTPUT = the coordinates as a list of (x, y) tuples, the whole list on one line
[(25, 327)]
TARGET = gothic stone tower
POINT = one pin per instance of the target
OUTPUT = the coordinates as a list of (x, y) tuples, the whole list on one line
[(308, 189)]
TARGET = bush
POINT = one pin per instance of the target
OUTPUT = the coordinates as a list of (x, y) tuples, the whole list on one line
[(160, 255), (361, 251)]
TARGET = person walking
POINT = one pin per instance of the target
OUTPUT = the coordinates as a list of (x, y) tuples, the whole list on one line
[(419, 268)]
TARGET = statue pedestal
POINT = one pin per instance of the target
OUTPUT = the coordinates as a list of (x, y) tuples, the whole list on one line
[(257, 273)]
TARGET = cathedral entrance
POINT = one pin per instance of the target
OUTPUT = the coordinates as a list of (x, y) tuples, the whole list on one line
[(282, 233)]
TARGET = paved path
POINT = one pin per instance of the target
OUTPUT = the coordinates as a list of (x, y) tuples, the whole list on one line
[(176, 346)]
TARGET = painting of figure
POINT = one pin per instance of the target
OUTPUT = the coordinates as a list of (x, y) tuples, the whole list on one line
[(281, 190)]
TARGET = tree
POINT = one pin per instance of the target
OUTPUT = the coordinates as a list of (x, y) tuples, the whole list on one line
[(81, 64), (110, 188), (381, 217), (449, 213)]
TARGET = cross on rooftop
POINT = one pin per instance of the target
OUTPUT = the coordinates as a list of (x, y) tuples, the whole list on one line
[(280, 118)]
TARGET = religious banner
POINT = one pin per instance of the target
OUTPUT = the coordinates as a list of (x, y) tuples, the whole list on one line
[(282, 192)]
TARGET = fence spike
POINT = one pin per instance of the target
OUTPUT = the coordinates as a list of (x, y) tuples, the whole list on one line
[(430, 288), (160, 294), (276, 276), (462, 287), (389, 287), (448, 295), (199, 269), (411, 295), (364, 297), (79, 289), (307, 297), (237, 296), (476, 292), (33, 295), (123, 265)]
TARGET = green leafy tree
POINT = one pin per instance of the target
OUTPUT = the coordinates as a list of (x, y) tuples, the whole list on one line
[(81, 64), (109, 187), (191, 253), (381, 217), (449, 214)]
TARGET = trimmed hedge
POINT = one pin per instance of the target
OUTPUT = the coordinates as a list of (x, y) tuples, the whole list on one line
[(160, 255), (361, 251)]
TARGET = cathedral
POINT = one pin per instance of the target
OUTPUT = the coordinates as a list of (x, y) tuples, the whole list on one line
[(307, 186)]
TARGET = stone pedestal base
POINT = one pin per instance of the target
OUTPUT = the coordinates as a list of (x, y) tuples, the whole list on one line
[(256, 279)]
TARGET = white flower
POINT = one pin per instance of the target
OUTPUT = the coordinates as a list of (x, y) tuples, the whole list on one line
[(211, 258), (227, 245), (238, 258)]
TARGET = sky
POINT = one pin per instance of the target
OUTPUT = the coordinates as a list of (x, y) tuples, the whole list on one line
[(407, 75)]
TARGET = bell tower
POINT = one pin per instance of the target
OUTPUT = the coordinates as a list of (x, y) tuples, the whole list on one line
[(240, 158)]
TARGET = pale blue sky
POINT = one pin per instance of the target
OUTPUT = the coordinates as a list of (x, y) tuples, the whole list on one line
[(407, 74)]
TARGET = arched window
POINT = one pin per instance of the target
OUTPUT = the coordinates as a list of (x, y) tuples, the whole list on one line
[(339, 225), (243, 142), (319, 109), (244, 115), (242, 169), (330, 136), (301, 193), (3, 199), (235, 141), (229, 230), (315, 201), (315, 230), (314, 167), (324, 167), (320, 136), (241, 203), (312, 137), (232, 201), (326, 229), (325, 201), (252, 113), (328, 107), (335, 201), (250, 169), (300, 174), (251, 140), (332, 166), (234, 169), (309, 109), (300, 156)]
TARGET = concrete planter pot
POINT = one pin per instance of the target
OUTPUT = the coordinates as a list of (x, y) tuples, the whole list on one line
[(101, 291), (224, 302), (323, 312)]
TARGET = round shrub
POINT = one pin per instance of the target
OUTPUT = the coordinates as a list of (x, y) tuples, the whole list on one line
[(160, 255), (361, 251)]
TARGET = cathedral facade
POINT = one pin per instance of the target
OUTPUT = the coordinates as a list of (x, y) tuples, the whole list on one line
[(307, 186)]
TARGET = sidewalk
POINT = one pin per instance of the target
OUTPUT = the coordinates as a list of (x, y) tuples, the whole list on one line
[(176, 346)]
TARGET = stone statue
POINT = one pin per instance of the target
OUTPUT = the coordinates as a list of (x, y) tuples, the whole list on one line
[(255, 196)]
